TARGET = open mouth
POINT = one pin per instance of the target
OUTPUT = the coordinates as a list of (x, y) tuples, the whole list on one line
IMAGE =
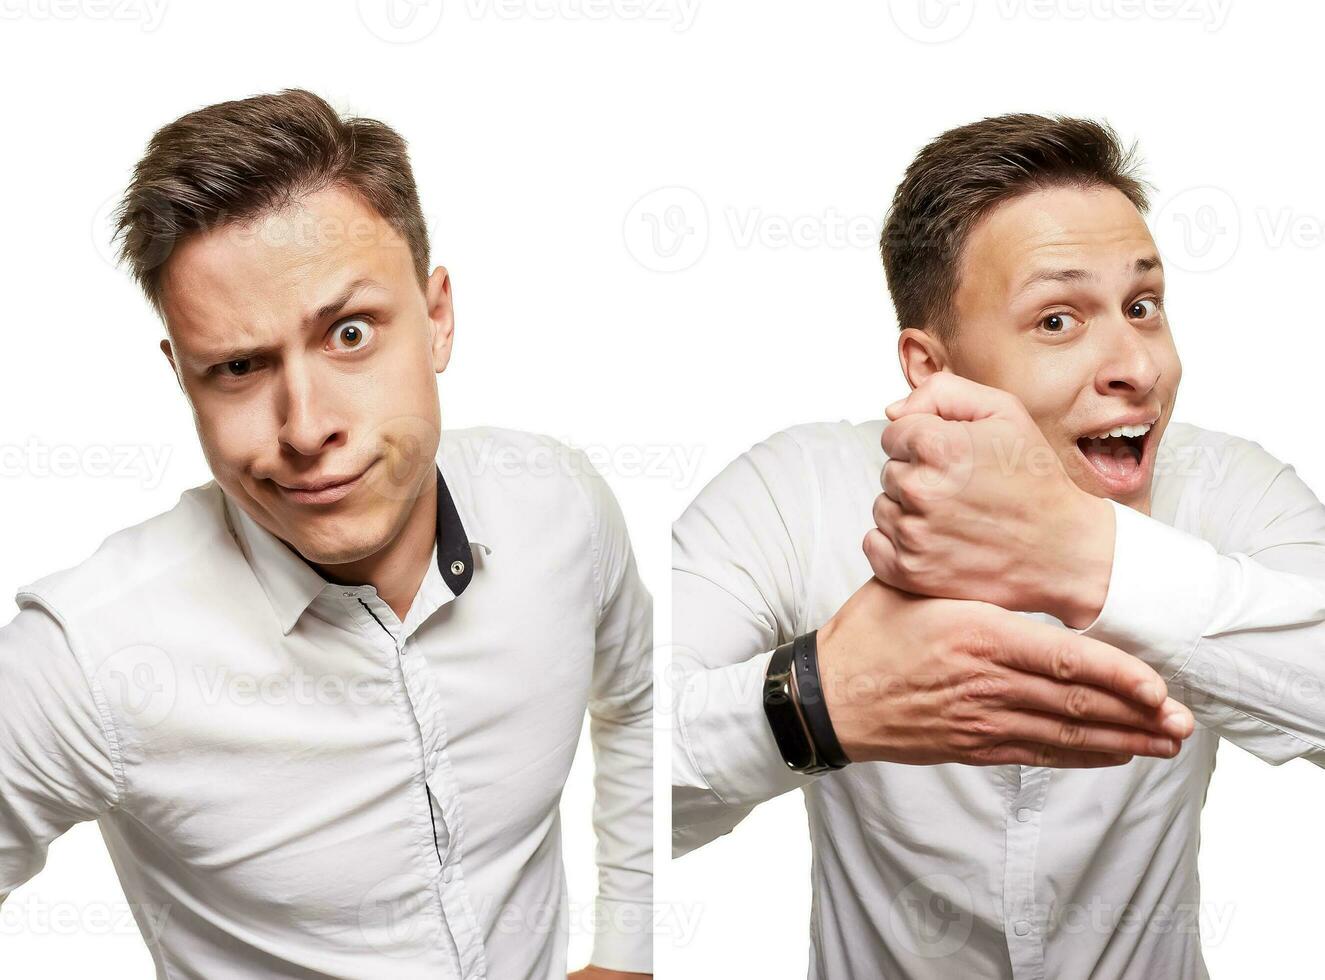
[(1119, 454)]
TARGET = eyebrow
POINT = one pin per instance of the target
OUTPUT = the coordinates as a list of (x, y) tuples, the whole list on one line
[(340, 302), (1139, 267), (323, 312)]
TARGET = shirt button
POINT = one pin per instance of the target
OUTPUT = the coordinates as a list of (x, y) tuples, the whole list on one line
[(1023, 814), (447, 876), (1021, 928)]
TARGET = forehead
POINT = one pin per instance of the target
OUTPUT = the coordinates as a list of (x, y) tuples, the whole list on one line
[(271, 270), (1096, 229)]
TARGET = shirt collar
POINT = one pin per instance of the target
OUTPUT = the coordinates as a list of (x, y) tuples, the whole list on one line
[(291, 584)]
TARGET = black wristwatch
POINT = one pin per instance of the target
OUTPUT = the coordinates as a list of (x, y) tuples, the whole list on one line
[(801, 728)]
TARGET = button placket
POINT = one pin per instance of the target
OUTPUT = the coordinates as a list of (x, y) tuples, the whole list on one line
[(458, 917), (1022, 831)]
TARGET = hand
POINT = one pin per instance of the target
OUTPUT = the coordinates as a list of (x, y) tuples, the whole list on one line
[(592, 972), (976, 505), (924, 681)]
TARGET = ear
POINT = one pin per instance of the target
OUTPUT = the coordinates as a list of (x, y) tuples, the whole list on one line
[(920, 354), (441, 317), (170, 356)]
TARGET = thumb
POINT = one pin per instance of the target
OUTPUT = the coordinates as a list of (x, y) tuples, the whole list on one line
[(952, 397)]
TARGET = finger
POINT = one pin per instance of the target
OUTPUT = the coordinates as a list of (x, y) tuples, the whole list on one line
[(886, 512), (1033, 754), (890, 480), (1087, 736), (1085, 703), (914, 438), (1026, 644), (882, 556), (952, 397)]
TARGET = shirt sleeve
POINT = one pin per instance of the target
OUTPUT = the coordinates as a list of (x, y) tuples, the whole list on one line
[(56, 762), (621, 730), (1232, 619), (741, 557)]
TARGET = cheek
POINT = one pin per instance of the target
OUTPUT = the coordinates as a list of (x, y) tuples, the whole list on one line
[(231, 434)]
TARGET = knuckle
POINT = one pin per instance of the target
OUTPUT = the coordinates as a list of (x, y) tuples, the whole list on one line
[(985, 688), (907, 493), (880, 510), (911, 532), (978, 640), (978, 731), (928, 444), (1046, 756), (1077, 704), (1071, 735), (1066, 661)]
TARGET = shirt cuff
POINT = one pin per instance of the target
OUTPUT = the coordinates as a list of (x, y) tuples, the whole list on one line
[(727, 735), (623, 937), (1161, 592)]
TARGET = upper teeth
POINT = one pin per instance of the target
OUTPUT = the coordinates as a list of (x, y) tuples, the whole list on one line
[(1130, 431)]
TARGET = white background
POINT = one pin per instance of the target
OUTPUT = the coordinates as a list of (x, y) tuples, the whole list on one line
[(661, 216)]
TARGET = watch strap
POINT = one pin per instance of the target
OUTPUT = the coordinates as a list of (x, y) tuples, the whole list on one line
[(814, 708)]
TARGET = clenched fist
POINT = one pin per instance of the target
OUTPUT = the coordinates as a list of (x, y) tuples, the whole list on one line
[(977, 505)]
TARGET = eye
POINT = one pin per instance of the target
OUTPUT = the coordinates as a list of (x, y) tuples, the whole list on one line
[(1144, 308), (235, 369), (1059, 322), (351, 334)]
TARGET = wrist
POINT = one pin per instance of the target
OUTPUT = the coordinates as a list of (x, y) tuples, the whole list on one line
[(1081, 581), (796, 711)]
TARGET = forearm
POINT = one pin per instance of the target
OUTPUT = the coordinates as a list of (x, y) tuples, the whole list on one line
[(724, 759), (623, 820), (1240, 639)]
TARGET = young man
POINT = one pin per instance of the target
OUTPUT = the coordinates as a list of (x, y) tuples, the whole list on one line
[(324, 708), (1033, 480)]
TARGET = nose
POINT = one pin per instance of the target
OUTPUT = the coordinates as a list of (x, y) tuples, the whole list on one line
[(309, 425), (1128, 367)]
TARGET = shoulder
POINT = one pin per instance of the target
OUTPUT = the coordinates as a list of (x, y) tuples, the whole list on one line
[(165, 550), (793, 467), (528, 486), (519, 478), (1215, 463), (504, 467)]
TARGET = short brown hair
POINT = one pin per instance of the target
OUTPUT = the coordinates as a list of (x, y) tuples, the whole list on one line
[(235, 161), (962, 175)]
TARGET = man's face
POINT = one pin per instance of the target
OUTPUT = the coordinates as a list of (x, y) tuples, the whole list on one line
[(1060, 301), (310, 354)]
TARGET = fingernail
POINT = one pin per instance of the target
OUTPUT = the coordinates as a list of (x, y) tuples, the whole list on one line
[(1164, 746), (1151, 693), (1177, 722)]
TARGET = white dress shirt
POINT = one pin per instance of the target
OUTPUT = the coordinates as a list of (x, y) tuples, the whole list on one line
[(1002, 871), (293, 783)]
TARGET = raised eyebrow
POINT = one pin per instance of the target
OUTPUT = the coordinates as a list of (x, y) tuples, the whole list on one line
[(1148, 263), (330, 309), (1055, 275)]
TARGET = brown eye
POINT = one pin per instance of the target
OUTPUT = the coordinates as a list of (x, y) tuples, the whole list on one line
[(238, 368), (1143, 308), (1058, 322), (352, 334)]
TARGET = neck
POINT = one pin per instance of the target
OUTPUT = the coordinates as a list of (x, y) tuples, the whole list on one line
[(397, 569)]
